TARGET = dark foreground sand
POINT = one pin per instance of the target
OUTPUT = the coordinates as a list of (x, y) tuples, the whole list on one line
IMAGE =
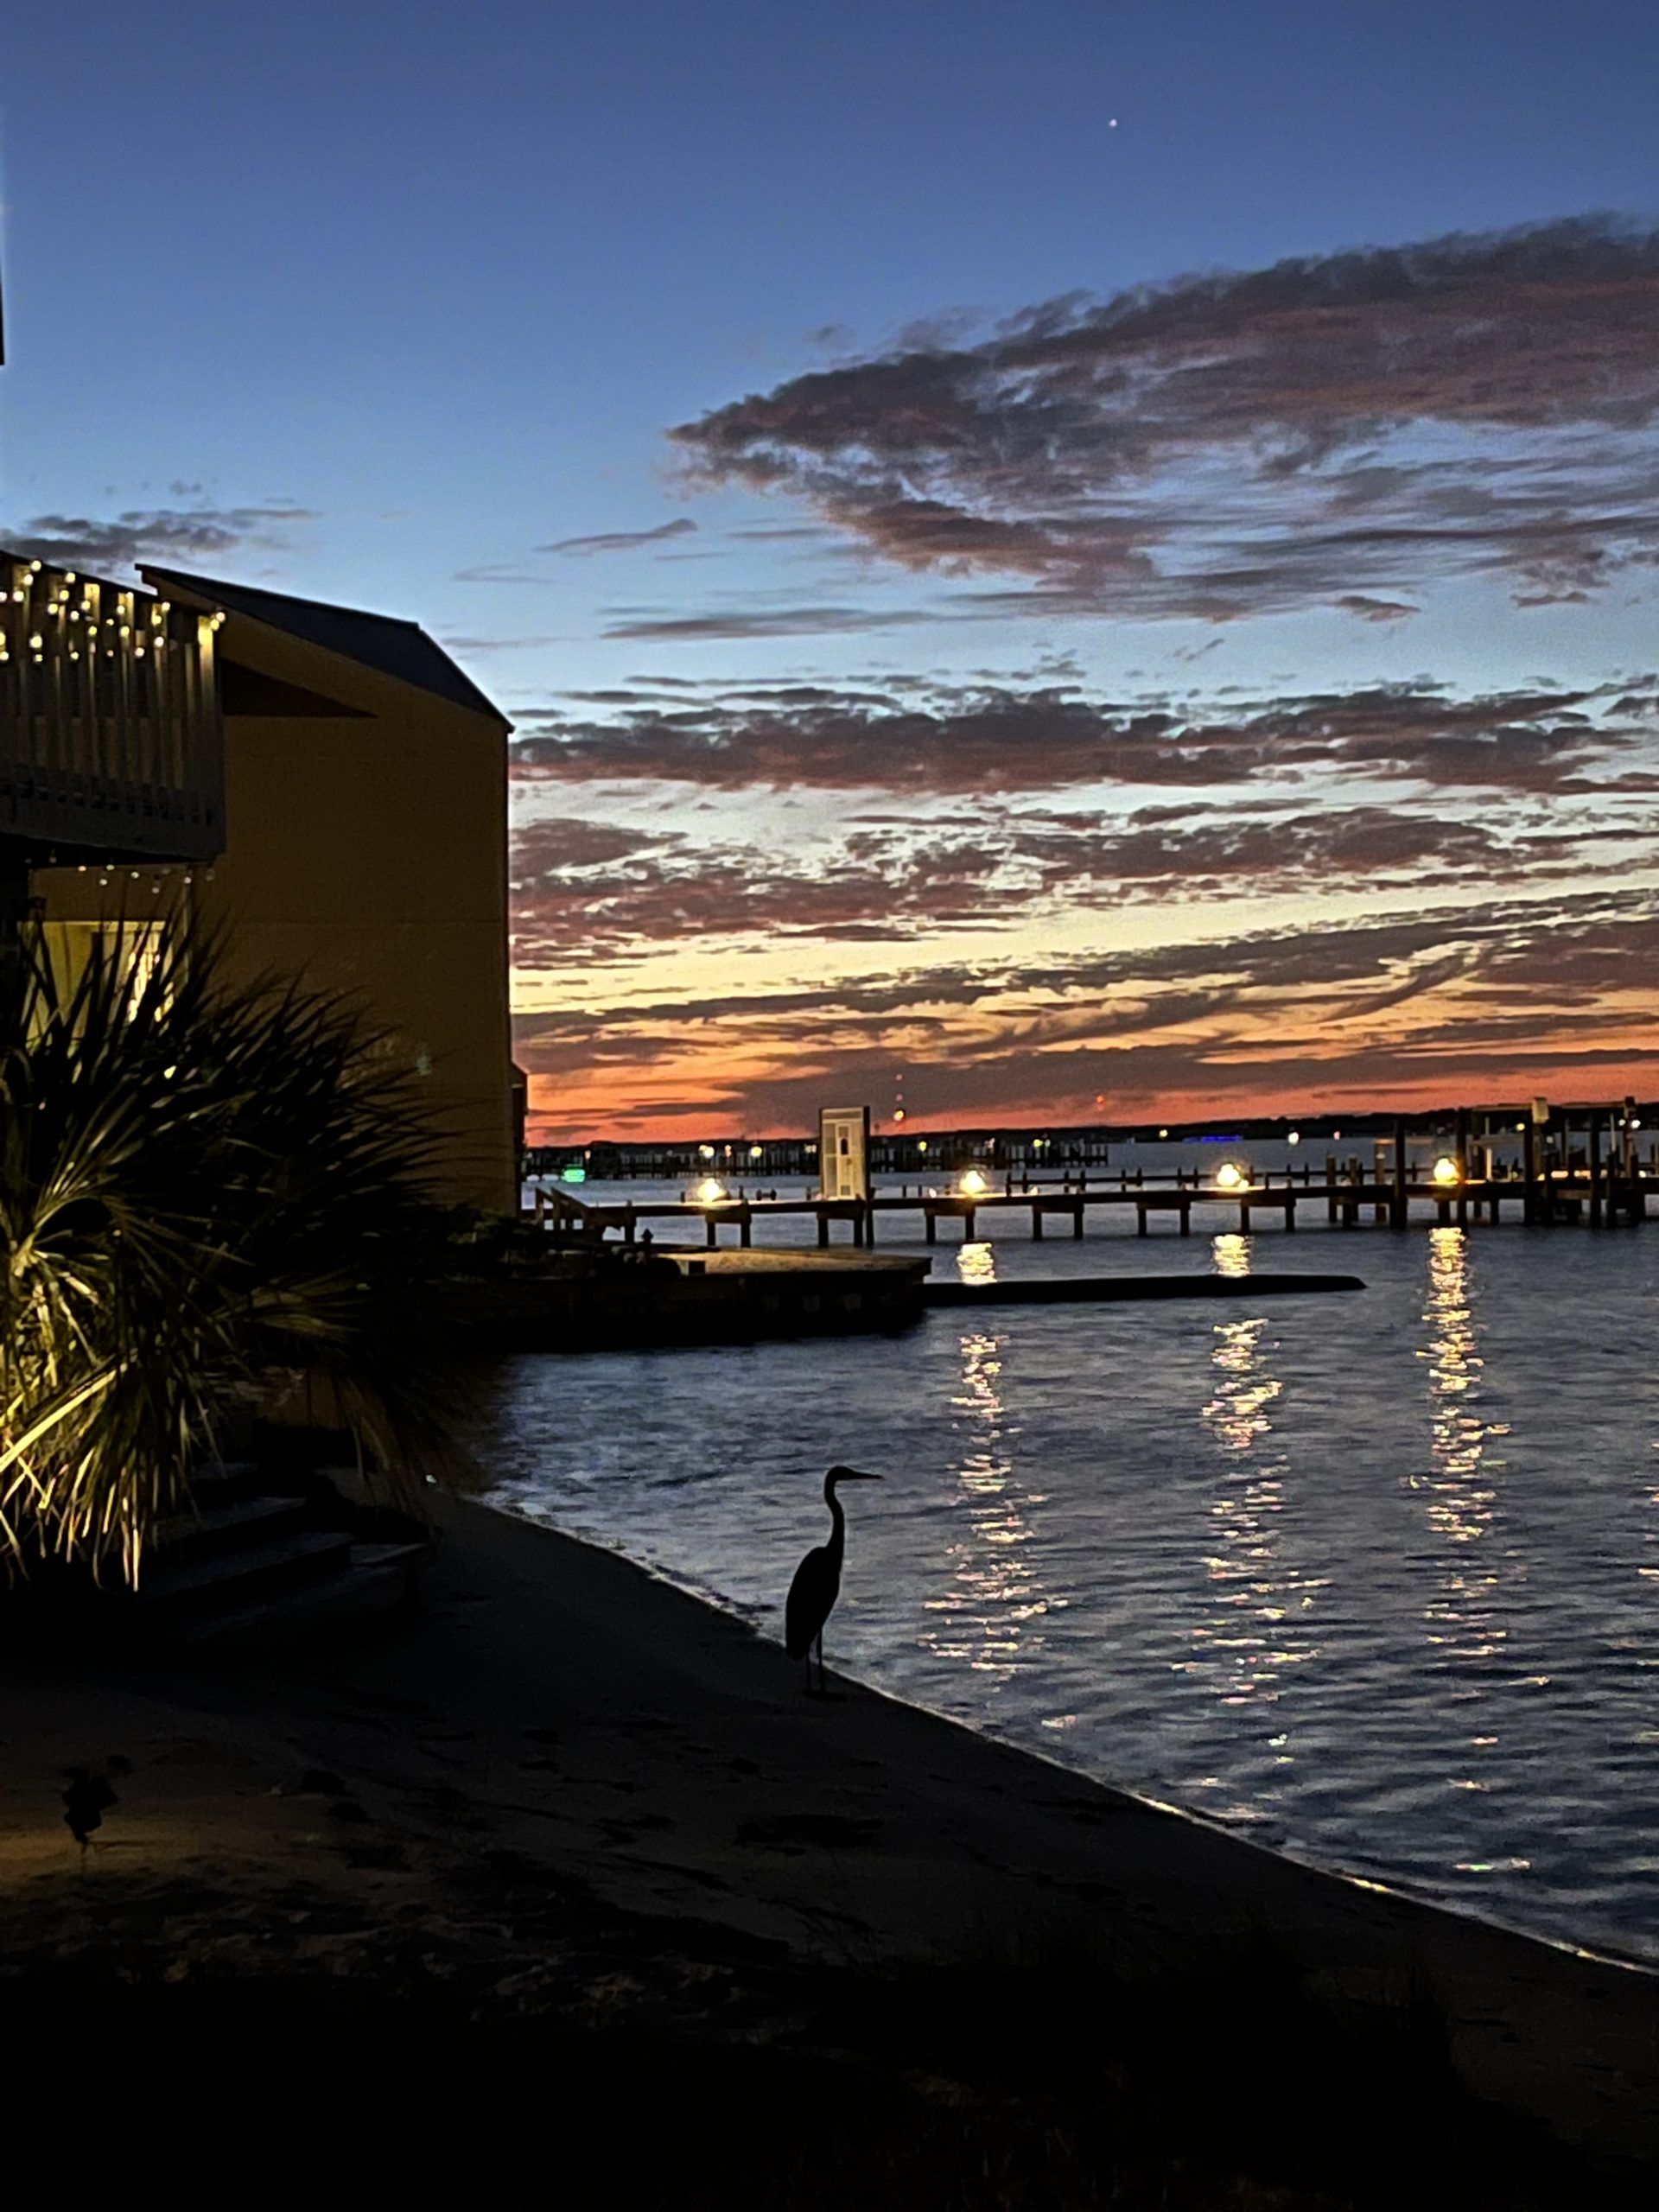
[(563, 1795)]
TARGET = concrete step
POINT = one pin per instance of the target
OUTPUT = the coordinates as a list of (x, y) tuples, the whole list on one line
[(223, 1527), (374, 1576), (225, 1576), (216, 1482)]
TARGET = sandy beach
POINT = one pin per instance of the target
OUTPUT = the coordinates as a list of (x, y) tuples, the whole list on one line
[(564, 1789)]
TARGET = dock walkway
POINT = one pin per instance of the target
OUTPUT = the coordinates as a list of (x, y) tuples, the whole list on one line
[(1396, 1202)]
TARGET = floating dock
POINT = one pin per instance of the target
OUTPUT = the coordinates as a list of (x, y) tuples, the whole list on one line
[(619, 1300), (1110, 1290)]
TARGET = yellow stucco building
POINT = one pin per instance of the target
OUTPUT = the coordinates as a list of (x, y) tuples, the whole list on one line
[(364, 845)]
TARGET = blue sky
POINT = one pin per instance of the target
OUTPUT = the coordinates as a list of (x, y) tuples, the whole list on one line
[(366, 301)]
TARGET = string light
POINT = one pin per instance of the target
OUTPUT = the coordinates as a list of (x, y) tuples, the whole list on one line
[(49, 614)]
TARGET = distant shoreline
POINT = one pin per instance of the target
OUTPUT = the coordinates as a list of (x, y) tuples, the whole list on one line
[(1312, 1125)]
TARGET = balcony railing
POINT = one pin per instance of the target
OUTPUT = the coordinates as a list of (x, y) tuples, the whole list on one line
[(111, 741)]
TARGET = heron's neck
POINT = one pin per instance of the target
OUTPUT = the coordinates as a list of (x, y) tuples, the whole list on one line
[(837, 1525)]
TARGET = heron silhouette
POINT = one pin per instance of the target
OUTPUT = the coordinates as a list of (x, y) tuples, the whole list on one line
[(816, 1585), (86, 1800)]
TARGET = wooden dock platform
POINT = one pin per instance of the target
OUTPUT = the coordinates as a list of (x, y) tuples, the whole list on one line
[(611, 1299)]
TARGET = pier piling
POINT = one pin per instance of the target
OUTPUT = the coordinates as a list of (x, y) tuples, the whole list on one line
[(1529, 1172)]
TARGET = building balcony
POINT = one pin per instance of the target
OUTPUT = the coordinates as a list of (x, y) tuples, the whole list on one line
[(112, 740)]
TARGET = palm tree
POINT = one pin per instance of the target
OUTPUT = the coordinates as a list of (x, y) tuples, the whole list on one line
[(207, 1196)]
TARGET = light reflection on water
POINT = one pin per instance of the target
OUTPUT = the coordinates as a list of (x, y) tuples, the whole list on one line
[(1255, 1626), (976, 1262), (1459, 1499), (993, 1596), (1378, 1575), (1466, 1616)]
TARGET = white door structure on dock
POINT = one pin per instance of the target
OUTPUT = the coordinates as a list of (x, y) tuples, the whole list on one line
[(844, 1152)]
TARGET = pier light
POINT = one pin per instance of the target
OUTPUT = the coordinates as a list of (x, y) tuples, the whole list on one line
[(1295, 1137), (1445, 1170), (710, 1191), (973, 1184), (1229, 1176)]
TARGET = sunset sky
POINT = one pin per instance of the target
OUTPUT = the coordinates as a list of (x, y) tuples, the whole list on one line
[(1098, 560)]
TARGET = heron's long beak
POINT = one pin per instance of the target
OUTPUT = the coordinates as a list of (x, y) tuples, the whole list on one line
[(853, 1475)]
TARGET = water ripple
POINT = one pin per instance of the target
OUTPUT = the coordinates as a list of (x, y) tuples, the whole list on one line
[(1377, 1577)]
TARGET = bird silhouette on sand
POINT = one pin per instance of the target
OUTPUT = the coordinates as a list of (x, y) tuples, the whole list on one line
[(816, 1585), (89, 1796)]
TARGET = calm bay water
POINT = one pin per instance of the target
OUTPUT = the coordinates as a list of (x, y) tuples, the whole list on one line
[(1374, 1578)]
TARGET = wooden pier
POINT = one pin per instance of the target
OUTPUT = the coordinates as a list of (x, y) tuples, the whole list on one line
[(1595, 1196)]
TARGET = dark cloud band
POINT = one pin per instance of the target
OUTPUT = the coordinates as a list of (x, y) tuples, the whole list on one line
[(1330, 430)]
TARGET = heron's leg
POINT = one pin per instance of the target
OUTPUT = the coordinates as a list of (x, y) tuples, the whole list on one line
[(820, 1646)]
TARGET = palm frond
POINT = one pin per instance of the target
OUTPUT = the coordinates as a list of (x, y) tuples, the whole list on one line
[(203, 1193)]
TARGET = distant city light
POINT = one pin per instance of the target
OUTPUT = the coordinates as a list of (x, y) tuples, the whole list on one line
[(1445, 1170), (1295, 1137), (756, 1151), (708, 1191), (1163, 1132), (705, 1152), (1231, 1176), (921, 1144), (973, 1185), (898, 1113)]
